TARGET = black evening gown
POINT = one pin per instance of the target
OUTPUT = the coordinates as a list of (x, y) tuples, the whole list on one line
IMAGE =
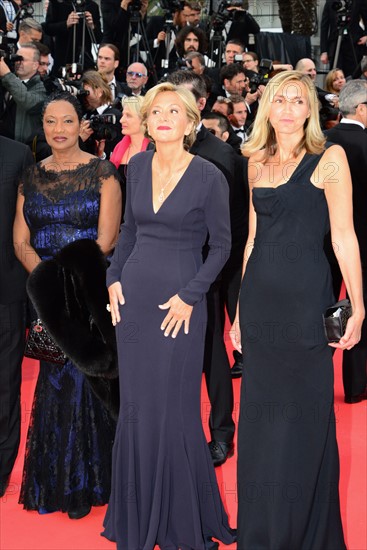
[(288, 467), (164, 488), (69, 444)]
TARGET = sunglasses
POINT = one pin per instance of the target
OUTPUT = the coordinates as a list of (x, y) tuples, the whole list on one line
[(133, 73)]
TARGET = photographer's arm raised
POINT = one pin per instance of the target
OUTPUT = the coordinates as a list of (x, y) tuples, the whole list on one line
[(22, 95)]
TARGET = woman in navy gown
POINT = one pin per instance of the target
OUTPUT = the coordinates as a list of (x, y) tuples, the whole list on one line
[(164, 489), (71, 195), (288, 466)]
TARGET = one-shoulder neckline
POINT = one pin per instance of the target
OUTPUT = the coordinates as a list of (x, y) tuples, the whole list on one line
[(301, 162), (67, 171)]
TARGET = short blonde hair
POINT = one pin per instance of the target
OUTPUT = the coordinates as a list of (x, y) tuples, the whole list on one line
[(329, 79), (134, 104), (263, 135), (187, 99)]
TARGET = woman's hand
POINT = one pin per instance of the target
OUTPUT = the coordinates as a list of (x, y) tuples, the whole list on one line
[(235, 334), (85, 130), (100, 146), (116, 300), (179, 312), (352, 334)]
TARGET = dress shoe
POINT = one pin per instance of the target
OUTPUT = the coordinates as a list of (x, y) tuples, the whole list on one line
[(4, 482), (350, 399), (80, 512), (236, 370), (220, 451)]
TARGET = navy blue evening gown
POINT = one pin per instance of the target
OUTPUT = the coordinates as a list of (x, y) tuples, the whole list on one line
[(164, 488), (68, 453)]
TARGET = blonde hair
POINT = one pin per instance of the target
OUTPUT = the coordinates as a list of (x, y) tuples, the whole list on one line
[(263, 135), (329, 79), (187, 98), (134, 104), (96, 80)]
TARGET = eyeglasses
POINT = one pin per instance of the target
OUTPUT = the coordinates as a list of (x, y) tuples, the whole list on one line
[(44, 64), (133, 73), (222, 99)]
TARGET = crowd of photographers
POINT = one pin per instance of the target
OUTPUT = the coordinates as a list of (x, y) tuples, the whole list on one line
[(134, 53)]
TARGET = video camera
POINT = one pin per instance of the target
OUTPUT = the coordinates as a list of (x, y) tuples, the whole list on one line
[(223, 14), (172, 6), (103, 126), (343, 9), (26, 8), (262, 76)]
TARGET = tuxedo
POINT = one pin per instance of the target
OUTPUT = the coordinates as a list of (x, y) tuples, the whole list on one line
[(216, 364), (14, 158), (353, 139)]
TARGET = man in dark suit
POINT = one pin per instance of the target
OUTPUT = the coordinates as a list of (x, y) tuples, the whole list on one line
[(351, 135), (216, 365), (14, 158), (353, 37)]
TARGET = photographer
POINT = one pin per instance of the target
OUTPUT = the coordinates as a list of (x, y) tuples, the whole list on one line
[(345, 20), (66, 18), (116, 16), (23, 94), (162, 32), (98, 133)]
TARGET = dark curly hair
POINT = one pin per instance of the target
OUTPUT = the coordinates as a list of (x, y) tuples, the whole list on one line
[(64, 96), (183, 34)]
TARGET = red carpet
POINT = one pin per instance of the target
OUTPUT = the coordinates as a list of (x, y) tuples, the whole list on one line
[(21, 530)]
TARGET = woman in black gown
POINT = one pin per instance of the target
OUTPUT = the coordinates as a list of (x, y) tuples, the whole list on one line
[(288, 466), (164, 489)]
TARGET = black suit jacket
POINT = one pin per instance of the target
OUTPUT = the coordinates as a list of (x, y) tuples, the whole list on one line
[(14, 158), (216, 151), (353, 139)]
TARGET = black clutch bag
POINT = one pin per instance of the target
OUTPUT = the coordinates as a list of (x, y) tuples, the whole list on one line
[(335, 320), (40, 345)]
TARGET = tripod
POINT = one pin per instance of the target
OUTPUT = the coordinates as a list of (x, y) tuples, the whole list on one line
[(216, 48), (338, 46), (81, 59), (137, 28)]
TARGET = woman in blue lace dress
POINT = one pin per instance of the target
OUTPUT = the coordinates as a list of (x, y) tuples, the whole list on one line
[(71, 195)]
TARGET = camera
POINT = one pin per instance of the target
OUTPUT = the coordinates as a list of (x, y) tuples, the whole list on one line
[(343, 9), (79, 6), (26, 8), (103, 127), (172, 5), (261, 77), (10, 58)]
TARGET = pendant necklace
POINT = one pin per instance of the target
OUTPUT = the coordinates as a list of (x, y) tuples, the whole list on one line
[(161, 194)]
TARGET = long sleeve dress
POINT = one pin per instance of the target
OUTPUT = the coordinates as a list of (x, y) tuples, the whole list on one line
[(164, 489)]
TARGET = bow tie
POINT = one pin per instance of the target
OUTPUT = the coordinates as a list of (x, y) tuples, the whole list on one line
[(239, 131)]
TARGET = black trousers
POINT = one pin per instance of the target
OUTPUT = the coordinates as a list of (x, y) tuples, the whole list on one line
[(217, 369), (12, 338), (355, 360)]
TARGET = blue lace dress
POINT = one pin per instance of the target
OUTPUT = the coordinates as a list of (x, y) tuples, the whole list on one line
[(70, 437)]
